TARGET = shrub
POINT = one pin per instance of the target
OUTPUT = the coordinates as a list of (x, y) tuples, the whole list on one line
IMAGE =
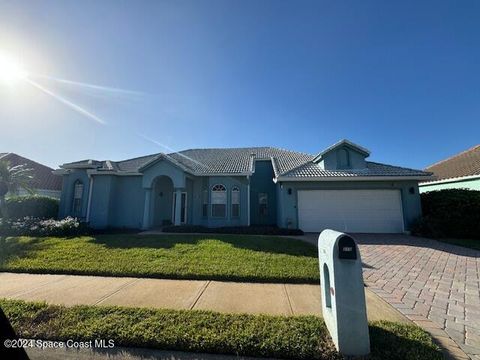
[(241, 230), (450, 213), (40, 227), (40, 207)]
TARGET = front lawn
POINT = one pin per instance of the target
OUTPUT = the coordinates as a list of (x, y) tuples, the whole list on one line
[(213, 257), (302, 337)]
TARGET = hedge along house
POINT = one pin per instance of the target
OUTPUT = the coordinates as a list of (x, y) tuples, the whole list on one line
[(336, 189)]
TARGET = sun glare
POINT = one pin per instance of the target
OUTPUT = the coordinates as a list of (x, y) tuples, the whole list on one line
[(11, 70)]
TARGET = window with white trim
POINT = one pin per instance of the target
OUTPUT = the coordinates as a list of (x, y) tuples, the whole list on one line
[(219, 201), (205, 203), (235, 202), (77, 198)]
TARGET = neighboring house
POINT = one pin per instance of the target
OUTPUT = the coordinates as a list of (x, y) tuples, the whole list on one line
[(44, 181), (245, 186), (461, 171)]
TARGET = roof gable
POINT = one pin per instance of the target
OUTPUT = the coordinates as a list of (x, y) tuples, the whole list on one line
[(162, 157), (339, 144)]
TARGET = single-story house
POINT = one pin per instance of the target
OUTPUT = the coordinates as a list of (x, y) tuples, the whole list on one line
[(336, 188), (461, 171), (44, 182)]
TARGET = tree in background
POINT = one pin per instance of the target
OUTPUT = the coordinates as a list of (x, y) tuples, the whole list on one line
[(13, 178)]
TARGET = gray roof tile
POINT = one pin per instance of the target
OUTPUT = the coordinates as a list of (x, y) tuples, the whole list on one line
[(135, 163), (311, 169), (240, 160)]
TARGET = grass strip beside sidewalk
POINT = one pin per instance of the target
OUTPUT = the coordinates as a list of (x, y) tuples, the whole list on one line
[(300, 337)]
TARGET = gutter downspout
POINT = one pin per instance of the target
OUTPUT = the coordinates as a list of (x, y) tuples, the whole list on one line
[(248, 201), (89, 203)]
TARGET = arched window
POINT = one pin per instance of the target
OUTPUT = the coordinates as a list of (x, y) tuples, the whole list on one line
[(343, 159), (219, 201), (235, 202), (77, 198)]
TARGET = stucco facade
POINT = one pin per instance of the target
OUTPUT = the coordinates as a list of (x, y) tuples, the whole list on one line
[(469, 183), (288, 214), (163, 189), (461, 171)]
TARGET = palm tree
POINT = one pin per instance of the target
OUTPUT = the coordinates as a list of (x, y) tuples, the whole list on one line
[(13, 178)]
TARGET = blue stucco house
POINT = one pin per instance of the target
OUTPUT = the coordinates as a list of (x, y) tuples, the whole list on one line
[(336, 188)]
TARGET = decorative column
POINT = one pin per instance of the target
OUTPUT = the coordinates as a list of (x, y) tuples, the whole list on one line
[(146, 210), (178, 206)]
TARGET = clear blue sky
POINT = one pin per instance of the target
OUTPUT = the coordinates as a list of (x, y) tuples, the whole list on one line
[(401, 78)]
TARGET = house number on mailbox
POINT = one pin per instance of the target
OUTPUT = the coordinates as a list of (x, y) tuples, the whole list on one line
[(347, 248)]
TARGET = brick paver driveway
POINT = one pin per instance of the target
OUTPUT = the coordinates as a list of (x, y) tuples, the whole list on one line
[(427, 279)]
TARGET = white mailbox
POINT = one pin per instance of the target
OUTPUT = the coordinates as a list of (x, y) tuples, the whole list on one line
[(343, 294)]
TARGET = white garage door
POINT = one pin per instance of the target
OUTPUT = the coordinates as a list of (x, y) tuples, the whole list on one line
[(369, 211)]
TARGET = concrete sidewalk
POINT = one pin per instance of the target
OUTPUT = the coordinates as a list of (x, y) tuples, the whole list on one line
[(226, 297)]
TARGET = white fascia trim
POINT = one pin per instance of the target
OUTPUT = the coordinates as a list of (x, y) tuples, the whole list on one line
[(352, 178), (251, 164), (274, 166), (112, 172), (450, 180)]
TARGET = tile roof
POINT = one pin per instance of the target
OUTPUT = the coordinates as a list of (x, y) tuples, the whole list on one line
[(238, 160), (466, 163), (43, 177), (312, 169), (233, 161), (135, 163), (344, 142)]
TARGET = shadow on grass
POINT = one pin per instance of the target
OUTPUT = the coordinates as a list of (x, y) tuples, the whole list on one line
[(13, 247), (272, 245), (40, 251), (389, 340)]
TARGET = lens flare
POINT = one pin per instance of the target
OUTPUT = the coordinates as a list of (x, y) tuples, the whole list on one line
[(11, 70), (67, 102)]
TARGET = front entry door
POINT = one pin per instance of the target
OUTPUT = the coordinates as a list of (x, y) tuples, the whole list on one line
[(183, 213)]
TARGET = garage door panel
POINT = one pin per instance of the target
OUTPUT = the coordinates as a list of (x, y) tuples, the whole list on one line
[(350, 210)]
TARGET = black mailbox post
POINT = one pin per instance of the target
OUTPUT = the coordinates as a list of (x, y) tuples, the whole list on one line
[(346, 248)]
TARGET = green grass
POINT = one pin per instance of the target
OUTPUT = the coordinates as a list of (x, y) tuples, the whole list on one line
[(213, 257), (468, 243), (302, 337)]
